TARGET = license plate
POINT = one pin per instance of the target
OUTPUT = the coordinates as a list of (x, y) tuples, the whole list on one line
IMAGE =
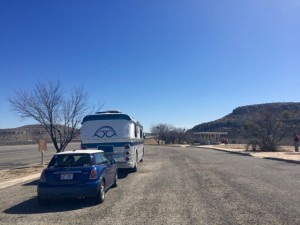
[(66, 176)]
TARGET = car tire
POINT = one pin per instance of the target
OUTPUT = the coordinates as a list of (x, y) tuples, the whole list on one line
[(115, 184), (101, 194)]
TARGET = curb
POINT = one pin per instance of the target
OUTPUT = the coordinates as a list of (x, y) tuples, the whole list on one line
[(283, 160), (19, 180)]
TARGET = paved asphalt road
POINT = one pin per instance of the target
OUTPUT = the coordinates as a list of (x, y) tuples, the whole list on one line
[(22, 155), (176, 186)]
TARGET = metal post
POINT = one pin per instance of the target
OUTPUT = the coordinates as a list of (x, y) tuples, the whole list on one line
[(42, 149), (42, 159)]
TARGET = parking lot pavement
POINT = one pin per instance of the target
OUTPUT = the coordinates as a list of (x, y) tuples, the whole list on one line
[(10, 177)]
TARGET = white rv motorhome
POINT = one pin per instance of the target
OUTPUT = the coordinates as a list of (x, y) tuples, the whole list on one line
[(117, 134)]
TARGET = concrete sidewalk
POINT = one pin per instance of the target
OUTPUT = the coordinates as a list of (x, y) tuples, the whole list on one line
[(287, 155)]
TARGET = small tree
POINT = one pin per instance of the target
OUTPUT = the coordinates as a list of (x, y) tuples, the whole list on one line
[(155, 132), (168, 134), (160, 132), (48, 104), (269, 130), (181, 135)]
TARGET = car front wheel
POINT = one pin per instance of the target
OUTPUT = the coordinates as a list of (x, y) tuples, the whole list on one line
[(116, 180)]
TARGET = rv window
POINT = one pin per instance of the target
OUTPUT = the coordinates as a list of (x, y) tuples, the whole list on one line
[(135, 130), (141, 133)]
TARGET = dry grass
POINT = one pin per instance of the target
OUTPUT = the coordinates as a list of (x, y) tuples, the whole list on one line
[(14, 173), (150, 141)]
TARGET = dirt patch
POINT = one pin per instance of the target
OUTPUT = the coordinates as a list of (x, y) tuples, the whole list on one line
[(11, 174)]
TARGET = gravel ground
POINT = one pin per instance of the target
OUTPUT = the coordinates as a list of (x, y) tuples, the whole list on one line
[(286, 153), (175, 186)]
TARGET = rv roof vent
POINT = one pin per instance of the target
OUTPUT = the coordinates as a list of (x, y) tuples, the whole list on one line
[(109, 111)]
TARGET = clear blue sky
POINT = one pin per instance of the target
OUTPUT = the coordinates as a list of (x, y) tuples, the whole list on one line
[(178, 62)]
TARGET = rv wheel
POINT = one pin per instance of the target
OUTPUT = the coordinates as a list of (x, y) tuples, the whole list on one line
[(136, 163), (142, 159)]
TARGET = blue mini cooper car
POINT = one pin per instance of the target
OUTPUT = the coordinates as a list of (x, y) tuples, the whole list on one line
[(77, 174)]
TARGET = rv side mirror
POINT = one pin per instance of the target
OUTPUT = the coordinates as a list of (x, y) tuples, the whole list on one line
[(113, 161)]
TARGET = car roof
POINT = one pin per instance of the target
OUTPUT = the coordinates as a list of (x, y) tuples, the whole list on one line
[(80, 151)]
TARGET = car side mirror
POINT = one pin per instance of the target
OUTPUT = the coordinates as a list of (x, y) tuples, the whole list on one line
[(113, 161)]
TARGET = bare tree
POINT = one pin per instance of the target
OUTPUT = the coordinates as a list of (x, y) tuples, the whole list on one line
[(167, 133), (181, 135), (269, 130), (155, 132), (161, 132), (49, 105)]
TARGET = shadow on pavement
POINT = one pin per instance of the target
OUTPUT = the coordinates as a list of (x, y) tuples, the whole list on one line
[(123, 173), (31, 206), (283, 160), (234, 153), (32, 183)]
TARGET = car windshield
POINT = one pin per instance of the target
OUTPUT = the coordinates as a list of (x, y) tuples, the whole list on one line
[(71, 160)]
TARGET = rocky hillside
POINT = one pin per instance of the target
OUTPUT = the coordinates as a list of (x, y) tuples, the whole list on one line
[(29, 134), (234, 122)]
